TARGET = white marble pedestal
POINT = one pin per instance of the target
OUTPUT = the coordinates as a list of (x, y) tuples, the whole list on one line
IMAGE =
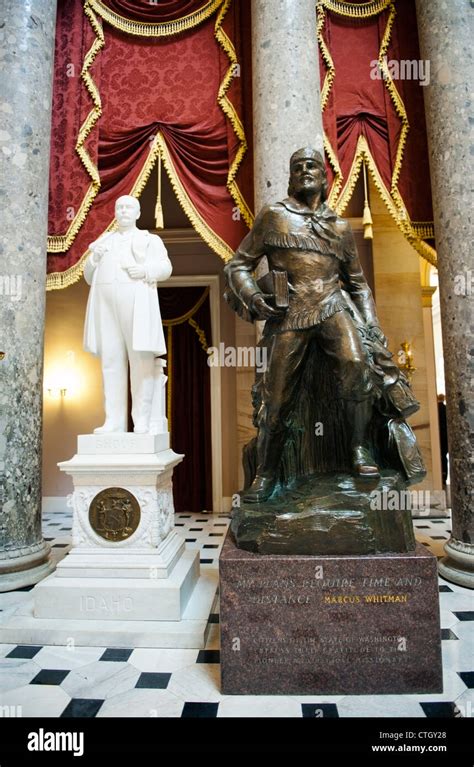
[(144, 590)]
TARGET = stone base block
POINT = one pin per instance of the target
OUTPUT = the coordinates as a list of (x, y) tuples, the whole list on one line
[(335, 625), (188, 633), (122, 443), (123, 563), (125, 599)]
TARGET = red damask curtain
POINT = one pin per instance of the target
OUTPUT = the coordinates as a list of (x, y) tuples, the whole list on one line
[(177, 97), (187, 322), (375, 119)]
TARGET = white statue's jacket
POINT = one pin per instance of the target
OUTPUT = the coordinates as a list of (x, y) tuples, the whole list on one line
[(146, 250), (123, 320)]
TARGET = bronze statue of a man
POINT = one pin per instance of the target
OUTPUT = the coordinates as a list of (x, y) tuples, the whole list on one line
[(303, 237)]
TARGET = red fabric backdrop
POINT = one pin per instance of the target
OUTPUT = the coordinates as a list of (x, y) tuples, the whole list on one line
[(165, 87), (391, 119)]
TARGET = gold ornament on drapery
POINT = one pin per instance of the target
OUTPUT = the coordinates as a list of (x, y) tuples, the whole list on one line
[(342, 188), (159, 222), (96, 11), (367, 215)]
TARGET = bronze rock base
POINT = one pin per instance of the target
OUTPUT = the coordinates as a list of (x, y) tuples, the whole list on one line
[(329, 514)]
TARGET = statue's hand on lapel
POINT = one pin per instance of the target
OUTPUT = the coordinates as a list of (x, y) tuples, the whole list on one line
[(136, 272)]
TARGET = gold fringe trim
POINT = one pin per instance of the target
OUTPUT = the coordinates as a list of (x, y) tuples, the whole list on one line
[(59, 243), (424, 229), (158, 29), (397, 102), (187, 316), (337, 183), (231, 114), (202, 228), (60, 280), (325, 90), (396, 209), (338, 199), (331, 71), (356, 10)]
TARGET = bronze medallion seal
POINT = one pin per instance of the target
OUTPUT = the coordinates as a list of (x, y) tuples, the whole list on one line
[(114, 514)]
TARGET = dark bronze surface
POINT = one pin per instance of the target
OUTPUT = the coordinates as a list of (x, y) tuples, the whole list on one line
[(329, 514), (114, 514), (328, 364)]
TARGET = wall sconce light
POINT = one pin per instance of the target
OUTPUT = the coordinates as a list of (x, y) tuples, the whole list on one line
[(405, 359), (61, 380), (56, 392)]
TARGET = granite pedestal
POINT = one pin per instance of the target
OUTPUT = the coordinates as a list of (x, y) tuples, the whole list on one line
[(305, 625)]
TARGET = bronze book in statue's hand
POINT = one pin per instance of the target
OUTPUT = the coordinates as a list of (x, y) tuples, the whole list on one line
[(274, 285)]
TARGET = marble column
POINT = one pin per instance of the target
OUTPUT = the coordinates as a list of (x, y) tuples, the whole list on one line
[(446, 31), (286, 104), (27, 45), (286, 117)]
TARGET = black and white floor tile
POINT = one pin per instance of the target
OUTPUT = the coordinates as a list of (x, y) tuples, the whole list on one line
[(106, 682)]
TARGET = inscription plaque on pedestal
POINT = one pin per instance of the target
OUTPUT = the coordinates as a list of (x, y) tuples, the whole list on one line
[(295, 624)]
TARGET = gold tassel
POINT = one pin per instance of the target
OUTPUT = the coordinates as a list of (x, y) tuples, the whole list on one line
[(367, 215), (159, 222)]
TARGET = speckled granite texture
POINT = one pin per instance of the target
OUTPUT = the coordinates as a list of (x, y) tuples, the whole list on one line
[(446, 31), (285, 84), (27, 47), (301, 625)]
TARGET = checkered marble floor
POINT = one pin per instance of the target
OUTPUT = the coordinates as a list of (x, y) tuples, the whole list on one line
[(105, 682)]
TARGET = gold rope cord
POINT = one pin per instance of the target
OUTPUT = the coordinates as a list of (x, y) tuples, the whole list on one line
[(356, 10), (59, 243), (169, 325), (230, 112), (393, 199), (190, 313), (157, 29)]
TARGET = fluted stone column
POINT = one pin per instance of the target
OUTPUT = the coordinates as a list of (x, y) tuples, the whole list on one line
[(286, 104), (27, 44), (446, 31)]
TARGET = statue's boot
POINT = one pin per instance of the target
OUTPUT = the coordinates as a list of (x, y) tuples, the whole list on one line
[(269, 449), (359, 415)]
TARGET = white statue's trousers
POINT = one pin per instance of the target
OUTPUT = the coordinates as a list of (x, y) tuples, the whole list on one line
[(115, 307)]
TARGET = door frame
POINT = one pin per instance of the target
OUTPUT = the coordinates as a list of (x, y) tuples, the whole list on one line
[(212, 282)]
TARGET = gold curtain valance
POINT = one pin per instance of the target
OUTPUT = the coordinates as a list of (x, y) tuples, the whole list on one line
[(154, 29), (356, 10)]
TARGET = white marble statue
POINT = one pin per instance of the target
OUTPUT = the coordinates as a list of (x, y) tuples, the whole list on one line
[(123, 320)]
